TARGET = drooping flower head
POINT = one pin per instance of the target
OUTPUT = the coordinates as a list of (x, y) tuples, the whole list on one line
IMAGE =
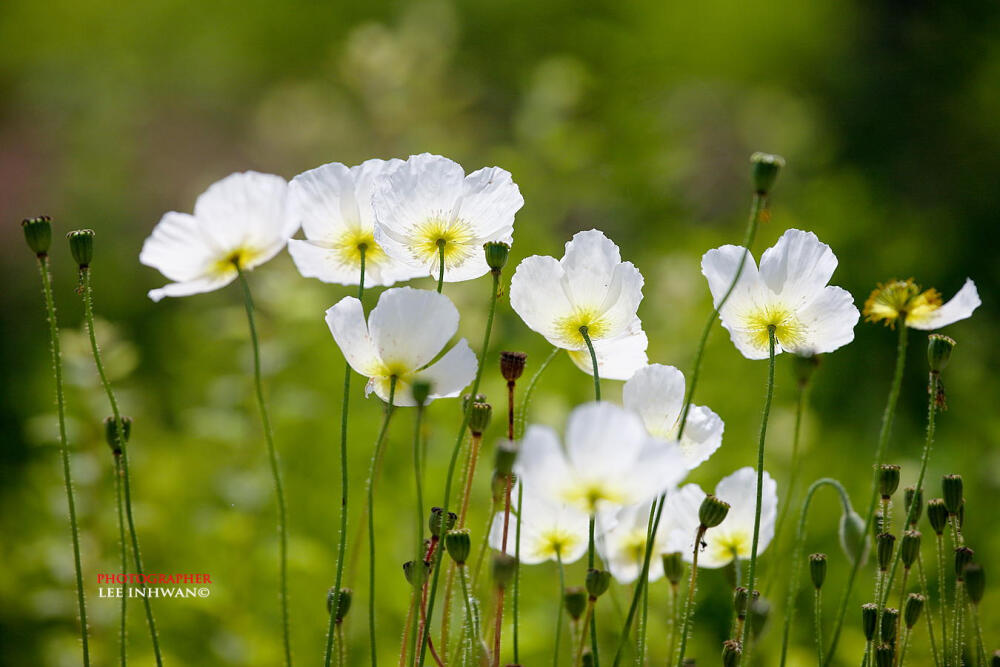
[(405, 332), (240, 220), (622, 544), (922, 309), (428, 205), (589, 287), (789, 293), (551, 529), (656, 393), (609, 460), (733, 538), (334, 204)]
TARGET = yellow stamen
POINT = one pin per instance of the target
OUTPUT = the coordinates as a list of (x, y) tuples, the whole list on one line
[(888, 301), (241, 257), (568, 328), (587, 495), (555, 542), (732, 545), (456, 236), (788, 330)]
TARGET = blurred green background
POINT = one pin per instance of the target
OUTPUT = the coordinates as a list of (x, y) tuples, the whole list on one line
[(636, 118)]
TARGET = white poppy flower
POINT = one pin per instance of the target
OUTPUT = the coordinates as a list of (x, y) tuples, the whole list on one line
[(789, 293), (240, 219), (923, 309), (428, 203), (609, 460), (589, 287), (734, 536), (656, 393), (551, 528), (622, 544), (405, 332), (334, 205)]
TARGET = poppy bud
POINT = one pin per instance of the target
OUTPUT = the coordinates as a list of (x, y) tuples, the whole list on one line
[(914, 605), (38, 234), (764, 168), (888, 480), (343, 603), (911, 495), (469, 399), (597, 582), (512, 365), (975, 582), (909, 548), (458, 544), (506, 454), (890, 616), (963, 556), (496, 255), (479, 417), (440, 522), (732, 653), (885, 654), (939, 349), (673, 567), (576, 602), (869, 617), (712, 511), (884, 544), (81, 246), (421, 391), (937, 515), (817, 569), (111, 433), (498, 486), (504, 567), (951, 486), (416, 576), (853, 540), (741, 596)]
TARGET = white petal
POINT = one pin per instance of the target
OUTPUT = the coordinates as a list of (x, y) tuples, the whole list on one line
[(622, 300), (656, 393), (246, 211), (490, 198), (702, 435), (544, 519), (314, 260), (424, 187), (797, 267), (604, 442), (196, 286), (720, 266), (541, 462), (323, 200), (622, 545), (682, 508), (537, 296), (410, 327), (453, 372), (346, 320), (829, 321), (659, 467), (596, 278), (959, 307), (618, 358), (740, 491), (177, 248)]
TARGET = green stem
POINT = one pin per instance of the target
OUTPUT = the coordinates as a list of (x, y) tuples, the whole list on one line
[(945, 646), (818, 621), (272, 456), (123, 631), (689, 603), (593, 360), (419, 509), (903, 647), (957, 635), (641, 630), (590, 565), (470, 619), (523, 411), (751, 581), (559, 612), (379, 442), (441, 244), (494, 294), (980, 649), (517, 567), (674, 604), (928, 616), (793, 475), (757, 207), (883, 440), (344, 484), (50, 309)]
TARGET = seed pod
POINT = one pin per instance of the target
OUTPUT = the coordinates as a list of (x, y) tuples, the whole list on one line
[(910, 494), (963, 556), (817, 569), (38, 234), (939, 349), (459, 544), (995, 659), (81, 246), (885, 655), (512, 365), (741, 596), (597, 582), (673, 567), (343, 603), (496, 255), (884, 544), (951, 485), (914, 605), (506, 454), (975, 582), (712, 511), (111, 433), (416, 576), (576, 602), (890, 617), (504, 567), (869, 617), (909, 548), (732, 653), (441, 522), (479, 417), (764, 168), (937, 515), (888, 480)]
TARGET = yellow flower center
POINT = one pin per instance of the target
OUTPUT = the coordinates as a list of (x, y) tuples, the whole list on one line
[(454, 237), (587, 495), (555, 542), (346, 249), (788, 330), (568, 328), (634, 546), (896, 298), (241, 257), (732, 545)]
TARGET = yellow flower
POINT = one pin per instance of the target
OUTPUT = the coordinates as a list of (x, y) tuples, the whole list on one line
[(919, 309)]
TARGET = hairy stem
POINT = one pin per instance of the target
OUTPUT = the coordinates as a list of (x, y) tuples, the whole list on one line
[(689, 602), (559, 612), (522, 413), (120, 503), (419, 512)]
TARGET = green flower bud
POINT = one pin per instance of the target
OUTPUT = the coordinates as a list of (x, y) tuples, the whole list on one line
[(885, 655), (817, 569), (506, 454), (804, 367), (888, 480), (884, 545), (911, 495), (673, 567), (576, 602), (853, 540), (479, 417), (937, 515), (939, 349), (81, 245), (869, 618), (504, 567), (909, 548), (732, 653), (760, 612), (914, 605), (890, 617), (951, 486), (496, 255), (38, 234), (741, 598), (111, 433), (512, 365), (597, 582), (764, 168), (975, 582), (469, 399), (416, 575), (343, 603), (712, 511), (963, 556), (441, 522), (458, 543), (498, 487), (421, 390)]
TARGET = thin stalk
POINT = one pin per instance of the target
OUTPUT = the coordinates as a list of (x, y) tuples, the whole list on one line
[(674, 604), (498, 626), (902, 589), (344, 481), (483, 544), (583, 631), (945, 646), (868, 654), (341, 648), (905, 644), (751, 581), (641, 630), (590, 565), (517, 531), (689, 603), (980, 649), (379, 443), (273, 458), (522, 413), (119, 501), (928, 616), (494, 294), (593, 360), (883, 440), (406, 628), (419, 510), (793, 474), (757, 207), (441, 244), (818, 621), (470, 618), (44, 269), (958, 635), (559, 612), (122, 443)]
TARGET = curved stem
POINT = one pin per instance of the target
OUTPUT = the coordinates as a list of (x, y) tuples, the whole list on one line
[(883, 440), (689, 603), (494, 294), (523, 410), (344, 484), (50, 310), (441, 244), (559, 612), (419, 509), (119, 502), (751, 581), (379, 442), (593, 360)]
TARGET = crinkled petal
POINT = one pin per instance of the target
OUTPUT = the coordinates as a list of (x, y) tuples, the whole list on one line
[(720, 266), (959, 307), (544, 522), (589, 265), (656, 393), (537, 296), (346, 320), (797, 267), (740, 491), (618, 358), (410, 327), (424, 187), (315, 260), (622, 546), (490, 198), (246, 211), (829, 322)]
